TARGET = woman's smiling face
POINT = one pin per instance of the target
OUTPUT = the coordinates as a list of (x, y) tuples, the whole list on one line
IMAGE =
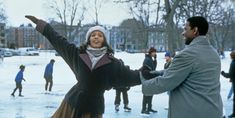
[(97, 39)]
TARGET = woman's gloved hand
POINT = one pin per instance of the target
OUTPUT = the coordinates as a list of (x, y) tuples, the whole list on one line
[(32, 18)]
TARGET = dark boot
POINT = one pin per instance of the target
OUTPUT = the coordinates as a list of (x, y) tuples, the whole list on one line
[(117, 107), (150, 109), (153, 111), (150, 106), (126, 108), (144, 112), (20, 95), (12, 94)]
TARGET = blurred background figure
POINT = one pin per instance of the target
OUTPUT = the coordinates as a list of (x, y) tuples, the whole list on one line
[(149, 64), (18, 79), (48, 75), (168, 59), (123, 91), (231, 75)]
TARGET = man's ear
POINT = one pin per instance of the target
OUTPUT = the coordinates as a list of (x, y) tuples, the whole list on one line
[(195, 30)]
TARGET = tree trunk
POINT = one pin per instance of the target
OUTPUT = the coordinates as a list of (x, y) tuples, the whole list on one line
[(170, 26)]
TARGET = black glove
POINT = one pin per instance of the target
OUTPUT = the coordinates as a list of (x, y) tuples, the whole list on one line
[(32, 18), (127, 88), (222, 73), (155, 56)]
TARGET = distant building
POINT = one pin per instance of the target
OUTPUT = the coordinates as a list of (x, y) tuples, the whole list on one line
[(2, 35), (25, 36), (157, 39)]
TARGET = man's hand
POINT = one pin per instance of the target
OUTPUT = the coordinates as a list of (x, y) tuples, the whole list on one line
[(155, 56), (32, 18), (222, 73)]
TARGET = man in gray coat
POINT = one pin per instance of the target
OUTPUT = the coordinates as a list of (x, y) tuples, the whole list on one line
[(193, 76)]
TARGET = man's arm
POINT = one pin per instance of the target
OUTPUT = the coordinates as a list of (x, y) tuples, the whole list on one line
[(172, 77)]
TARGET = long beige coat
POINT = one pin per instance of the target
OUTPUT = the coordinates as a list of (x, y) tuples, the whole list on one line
[(193, 81)]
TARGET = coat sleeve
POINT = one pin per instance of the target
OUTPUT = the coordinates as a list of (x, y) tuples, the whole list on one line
[(232, 71), (147, 72), (61, 45), (126, 77), (172, 77)]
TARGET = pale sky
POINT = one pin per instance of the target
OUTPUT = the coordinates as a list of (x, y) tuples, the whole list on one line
[(17, 9)]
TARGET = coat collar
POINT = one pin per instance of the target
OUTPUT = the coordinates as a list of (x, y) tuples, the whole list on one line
[(104, 60), (200, 40)]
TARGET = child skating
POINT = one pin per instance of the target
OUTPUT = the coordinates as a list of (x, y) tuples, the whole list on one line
[(18, 79)]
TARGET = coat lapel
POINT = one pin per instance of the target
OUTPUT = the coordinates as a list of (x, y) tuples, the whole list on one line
[(104, 60), (86, 59)]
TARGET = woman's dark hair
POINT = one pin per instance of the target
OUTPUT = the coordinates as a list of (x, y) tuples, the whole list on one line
[(232, 55), (199, 22), (152, 49)]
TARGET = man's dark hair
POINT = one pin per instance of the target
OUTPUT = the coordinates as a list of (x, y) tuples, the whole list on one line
[(22, 67), (232, 54), (199, 22), (52, 61)]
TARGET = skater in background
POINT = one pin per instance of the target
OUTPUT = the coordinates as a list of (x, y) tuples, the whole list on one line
[(95, 68), (18, 79), (231, 76), (149, 64), (168, 62), (48, 75), (168, 59), (123, 91)]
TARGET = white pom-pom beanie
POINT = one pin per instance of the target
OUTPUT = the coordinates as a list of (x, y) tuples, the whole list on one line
[(95, 28)]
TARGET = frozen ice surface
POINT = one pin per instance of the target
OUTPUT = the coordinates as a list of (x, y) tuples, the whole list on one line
[(38, 104)]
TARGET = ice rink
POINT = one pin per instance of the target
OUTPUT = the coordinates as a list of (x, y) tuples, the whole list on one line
[(37, 104)]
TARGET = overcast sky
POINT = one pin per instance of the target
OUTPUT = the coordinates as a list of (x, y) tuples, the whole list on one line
[(17, 9)]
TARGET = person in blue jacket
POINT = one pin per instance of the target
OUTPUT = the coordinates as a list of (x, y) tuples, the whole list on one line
[(18, 79), (48, 75)]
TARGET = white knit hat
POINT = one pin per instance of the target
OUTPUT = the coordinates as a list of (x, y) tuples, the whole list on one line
[(95, 28)]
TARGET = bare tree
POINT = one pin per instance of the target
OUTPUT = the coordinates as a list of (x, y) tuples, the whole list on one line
[(95, 7), (145, 11), (232, 36), (68, 11), (3, 17), (131, 33), (170, 8), (213, 10)]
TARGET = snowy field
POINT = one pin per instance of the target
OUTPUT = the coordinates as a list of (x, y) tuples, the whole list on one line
[(37, 104)]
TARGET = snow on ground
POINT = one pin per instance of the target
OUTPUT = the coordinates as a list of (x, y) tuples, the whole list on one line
[(37, 104)]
